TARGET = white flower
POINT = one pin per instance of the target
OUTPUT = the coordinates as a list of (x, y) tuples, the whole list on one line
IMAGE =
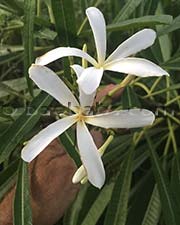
[(118, 61), (49, 82)]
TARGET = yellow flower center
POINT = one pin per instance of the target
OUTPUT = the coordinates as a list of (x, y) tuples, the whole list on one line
[(80, 115), (99, 66)]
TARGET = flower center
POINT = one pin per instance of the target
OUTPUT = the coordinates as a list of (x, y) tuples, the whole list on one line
[(80, 115), (99, 66)]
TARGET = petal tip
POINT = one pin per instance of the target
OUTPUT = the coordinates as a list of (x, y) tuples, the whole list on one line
[(25, 157), (151, 116), (99, 185), (31, 67), (150, 31), (99, 181), (91, 9), (37, 61), (43, 60), (163, 73), (75, 180)]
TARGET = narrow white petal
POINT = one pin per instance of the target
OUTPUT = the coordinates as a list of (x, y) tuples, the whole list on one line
[(86, 100), (49, 82), (136, 66), (90, 156), (90, 79), (139, 41), (98, 26), (122, 119), (40, 141), (61, 52), (77, 69)]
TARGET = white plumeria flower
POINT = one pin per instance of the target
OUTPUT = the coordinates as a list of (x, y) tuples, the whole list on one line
[(118, 61), (49, 82)]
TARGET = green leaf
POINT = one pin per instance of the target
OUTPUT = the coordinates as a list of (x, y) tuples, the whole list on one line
[(127, 10), (171, 88), (46, 34), (7, 90), (175, 25), (139, 196), (21, 127), (63, 12), (150, 7), (118, 206), (28, 32), (169, 208), (8, 9), (175, 178), (14, 5), (153, 211), (65, 27), (7, 178), (130, 98), (98, 205), (163, 40), (173, 63), (17, 85), (140, 22), (72, 215), (22, 208), (70, 146), (6, 58)]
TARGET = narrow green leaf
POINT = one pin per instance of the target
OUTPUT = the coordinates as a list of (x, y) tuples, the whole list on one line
[(150, 7), (28, 32), (164, 40), (173, 63), (118, 206), (6, 58), (72, 215), (64, 18), (153, 211), (98, 205), (22, 208), (8, 9), (175, 179), (130, 98), (17, 131), (171, 88), (65, 27), (127, 10), (140, 22), (70, 146), (169, 208), (18, 85), (174, 26), (139, 197), (14, 5), (7, 178)]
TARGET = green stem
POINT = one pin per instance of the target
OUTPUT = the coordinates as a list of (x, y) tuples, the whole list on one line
[(124, 83)]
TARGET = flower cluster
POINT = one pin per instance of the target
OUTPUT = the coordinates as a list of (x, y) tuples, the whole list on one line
[(88, 80)]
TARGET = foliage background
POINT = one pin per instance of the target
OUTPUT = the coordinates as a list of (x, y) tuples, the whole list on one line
[(142, 165)]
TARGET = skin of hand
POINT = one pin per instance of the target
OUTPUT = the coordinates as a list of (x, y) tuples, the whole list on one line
[(52, 190)]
